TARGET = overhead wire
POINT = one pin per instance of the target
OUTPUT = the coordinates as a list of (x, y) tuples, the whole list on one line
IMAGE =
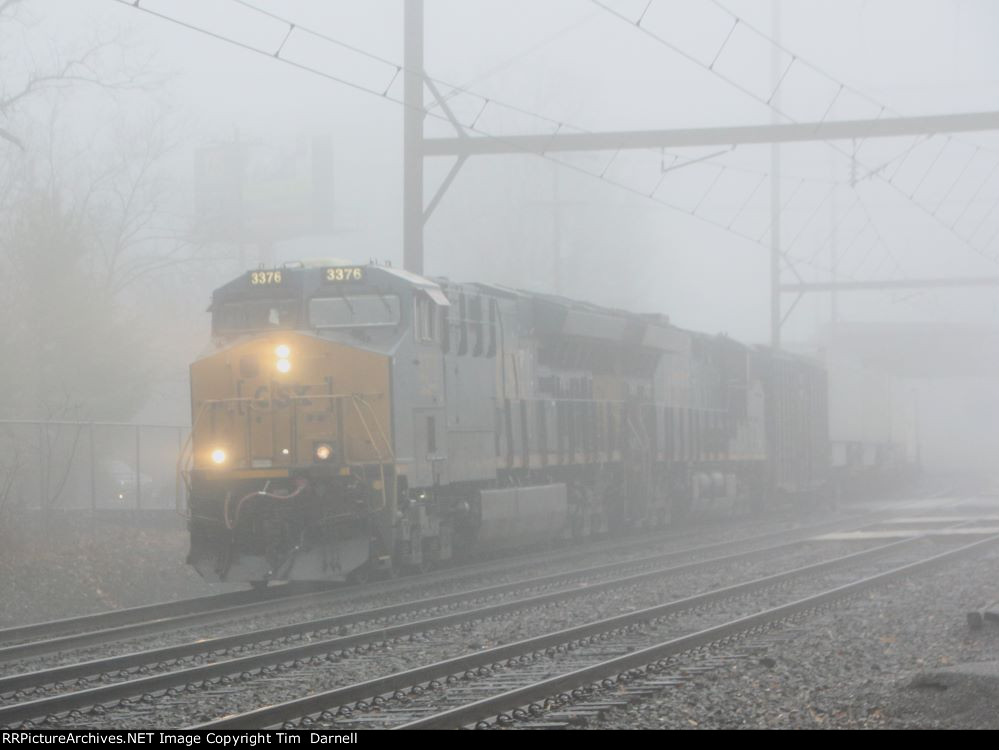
[(473, 127), (465, 88), (978, 190), (929, 169), (385, 95), (769, 101), (396, 69), (859, 93), (456, 89), (957, 179), (883, 107)]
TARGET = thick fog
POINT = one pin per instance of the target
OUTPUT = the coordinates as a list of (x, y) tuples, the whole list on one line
[(105, 107)]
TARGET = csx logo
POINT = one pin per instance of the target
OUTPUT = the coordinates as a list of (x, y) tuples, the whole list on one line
[(281, 397)]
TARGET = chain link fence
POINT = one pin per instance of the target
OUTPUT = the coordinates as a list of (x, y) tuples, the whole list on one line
[(95, 466)]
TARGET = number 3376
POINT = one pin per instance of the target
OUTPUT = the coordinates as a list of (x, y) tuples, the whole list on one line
[(262, 278), (343, 274)]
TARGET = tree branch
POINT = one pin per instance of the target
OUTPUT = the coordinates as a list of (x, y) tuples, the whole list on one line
[(8, 136), (8, 4)]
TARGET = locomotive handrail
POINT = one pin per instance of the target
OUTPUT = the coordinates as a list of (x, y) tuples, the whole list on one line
[(388, 446), (184, 457), (371, 439), (354, 398), (184, 474), (642, 439), (187, 452), (295, 397), (89, 423)]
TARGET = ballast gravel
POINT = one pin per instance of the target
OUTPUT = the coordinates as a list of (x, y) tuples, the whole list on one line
[(899, 657)]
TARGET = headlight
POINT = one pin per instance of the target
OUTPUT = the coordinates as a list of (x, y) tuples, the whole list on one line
[(323, 451), (283, 365), (218, 456), (282, 352)]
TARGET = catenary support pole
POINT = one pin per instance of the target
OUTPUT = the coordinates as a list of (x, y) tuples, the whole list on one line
[(775, 250), (412, 221)]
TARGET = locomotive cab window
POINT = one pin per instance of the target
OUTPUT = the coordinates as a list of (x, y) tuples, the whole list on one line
[(478, 326), (491, 351), (428, 308), (424, 318), (358, 311), (462, 326), (255, 315)]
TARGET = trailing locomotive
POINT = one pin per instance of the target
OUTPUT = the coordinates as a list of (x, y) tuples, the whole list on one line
[(350, 419)]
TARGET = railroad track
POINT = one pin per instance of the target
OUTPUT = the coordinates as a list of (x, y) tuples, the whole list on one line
[(142, 689), (526, 679), (21, 634), (425, 615), (632, 676), (61, 636)]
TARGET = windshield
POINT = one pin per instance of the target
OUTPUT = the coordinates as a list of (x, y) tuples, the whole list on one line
[(255, 315), (354, 311)]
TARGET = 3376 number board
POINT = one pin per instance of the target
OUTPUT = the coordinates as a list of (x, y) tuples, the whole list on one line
[(265, 278), (343, 273)]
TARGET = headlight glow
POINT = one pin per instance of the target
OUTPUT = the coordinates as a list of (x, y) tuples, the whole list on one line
[(323, 451), (218, 456), (283, 365), (282, 352)]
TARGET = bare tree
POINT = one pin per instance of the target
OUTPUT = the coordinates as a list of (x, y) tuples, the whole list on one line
[(138, 233), (97, 63), (85, 214), (10, 472), (57, 449)]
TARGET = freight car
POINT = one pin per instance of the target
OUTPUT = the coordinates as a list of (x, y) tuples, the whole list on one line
[(355, 419)]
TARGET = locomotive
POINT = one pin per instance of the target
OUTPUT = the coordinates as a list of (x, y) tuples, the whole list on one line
[(351, 419)]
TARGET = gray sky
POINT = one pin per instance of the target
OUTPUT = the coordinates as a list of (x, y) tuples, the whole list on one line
[(574, 62)]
